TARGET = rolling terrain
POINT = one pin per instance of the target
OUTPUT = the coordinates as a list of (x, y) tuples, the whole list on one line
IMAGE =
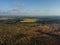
[(43, 31)]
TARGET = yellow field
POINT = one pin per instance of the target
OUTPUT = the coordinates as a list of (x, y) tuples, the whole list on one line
[(29, 20)]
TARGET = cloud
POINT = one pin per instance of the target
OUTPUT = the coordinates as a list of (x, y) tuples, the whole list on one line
[(42, 12), (16, 10), (30, 12), (18, 5)]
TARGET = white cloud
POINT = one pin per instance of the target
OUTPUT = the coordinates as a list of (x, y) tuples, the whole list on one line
[(18, 5), (29, 12)]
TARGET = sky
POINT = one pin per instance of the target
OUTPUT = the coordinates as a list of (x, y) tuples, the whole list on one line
[(30, 7)]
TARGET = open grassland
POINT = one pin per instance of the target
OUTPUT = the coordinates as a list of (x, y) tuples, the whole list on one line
[(22, 34)]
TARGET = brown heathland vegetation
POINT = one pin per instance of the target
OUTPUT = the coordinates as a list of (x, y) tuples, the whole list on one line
[(18, 34)]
